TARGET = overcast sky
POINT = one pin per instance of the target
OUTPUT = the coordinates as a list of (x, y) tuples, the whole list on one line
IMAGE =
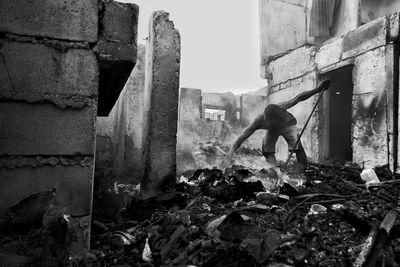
[(220, 44)]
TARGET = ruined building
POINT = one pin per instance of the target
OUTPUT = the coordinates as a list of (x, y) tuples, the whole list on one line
[(355, 45), (62, 63)]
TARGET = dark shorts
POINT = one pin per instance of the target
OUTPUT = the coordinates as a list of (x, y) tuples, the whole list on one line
[(289, 133)]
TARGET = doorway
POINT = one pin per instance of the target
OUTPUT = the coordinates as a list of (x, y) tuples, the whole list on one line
[(338, 116)]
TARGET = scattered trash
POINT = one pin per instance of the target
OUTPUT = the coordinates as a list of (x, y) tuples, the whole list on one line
[(229, 218), (369, 176), (316, 209), (147, 255)]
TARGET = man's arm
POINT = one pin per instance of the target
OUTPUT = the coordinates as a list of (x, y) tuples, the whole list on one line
[(246, 134), (305, 95)]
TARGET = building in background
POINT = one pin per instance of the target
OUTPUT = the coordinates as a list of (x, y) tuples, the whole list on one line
[(352, 43)]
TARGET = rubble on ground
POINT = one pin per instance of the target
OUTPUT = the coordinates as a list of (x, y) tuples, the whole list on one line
[(247, 217)]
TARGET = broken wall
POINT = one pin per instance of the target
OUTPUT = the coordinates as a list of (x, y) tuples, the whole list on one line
[(194, 130), (368, 49), (49, 85), (119, 136)]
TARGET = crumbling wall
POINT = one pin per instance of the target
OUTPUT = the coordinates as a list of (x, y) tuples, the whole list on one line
[(193, 130), (49, 81), (119, 136), (161, 104), (368, 50)]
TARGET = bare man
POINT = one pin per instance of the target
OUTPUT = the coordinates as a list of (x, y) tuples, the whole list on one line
[(278, 122)]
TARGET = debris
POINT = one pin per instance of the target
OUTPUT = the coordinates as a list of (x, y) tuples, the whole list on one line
[(369, 176), (147, 255), (316, 209), (261, 245)]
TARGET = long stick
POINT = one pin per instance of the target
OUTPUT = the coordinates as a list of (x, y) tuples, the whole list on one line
[(305, 125)]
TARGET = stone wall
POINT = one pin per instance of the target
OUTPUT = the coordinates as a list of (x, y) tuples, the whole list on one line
[(368, 49), (49, 85)]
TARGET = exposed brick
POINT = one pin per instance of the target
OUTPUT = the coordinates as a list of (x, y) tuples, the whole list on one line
[(33, 129), (70, 20)]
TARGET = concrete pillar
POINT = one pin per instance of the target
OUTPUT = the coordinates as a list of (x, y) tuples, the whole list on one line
[(161, 104)]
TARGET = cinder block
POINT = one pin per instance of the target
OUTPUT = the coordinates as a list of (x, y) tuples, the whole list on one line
[(39, 70), (73, 186), (69, 20), (329, 54), (119, 21), (292, 65), (43, 129), (161, 103), (116, 51), (364, 38)]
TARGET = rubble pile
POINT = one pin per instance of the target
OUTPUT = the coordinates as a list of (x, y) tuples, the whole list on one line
[(246, 217), (232, 217)]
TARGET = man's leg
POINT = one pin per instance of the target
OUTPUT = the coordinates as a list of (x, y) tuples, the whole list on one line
[(291, 137), (268, 147)]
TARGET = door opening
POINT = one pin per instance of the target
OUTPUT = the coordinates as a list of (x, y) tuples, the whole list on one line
[(338, 114)]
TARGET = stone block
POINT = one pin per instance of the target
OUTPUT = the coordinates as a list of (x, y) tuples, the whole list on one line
[(329, 54), (68, 20), (189, 104), (73, 185), (34, 72), (292, 65), (43, 129), (119, 21), (161, 103), (364, 38)]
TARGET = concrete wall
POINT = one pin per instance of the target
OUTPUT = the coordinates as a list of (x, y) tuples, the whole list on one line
[(161, 104), (290, 30), (372, 9), (289, 26), (368, 50), (119, 136), (49, 85)]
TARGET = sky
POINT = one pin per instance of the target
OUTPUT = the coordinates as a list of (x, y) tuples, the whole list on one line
[(219, 41)]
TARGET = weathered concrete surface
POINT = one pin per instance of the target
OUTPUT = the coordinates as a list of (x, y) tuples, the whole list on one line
[(371, 9), (69, 20), (364, 38), (119, 136), (116, 50), (119, 21), (292, 65), (290, 26), (43, 129), (370, 143), (161, 104), (73, 183), (62, 74)]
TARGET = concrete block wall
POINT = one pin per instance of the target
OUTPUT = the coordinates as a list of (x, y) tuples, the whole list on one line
[(49, 86), (369, 49)]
